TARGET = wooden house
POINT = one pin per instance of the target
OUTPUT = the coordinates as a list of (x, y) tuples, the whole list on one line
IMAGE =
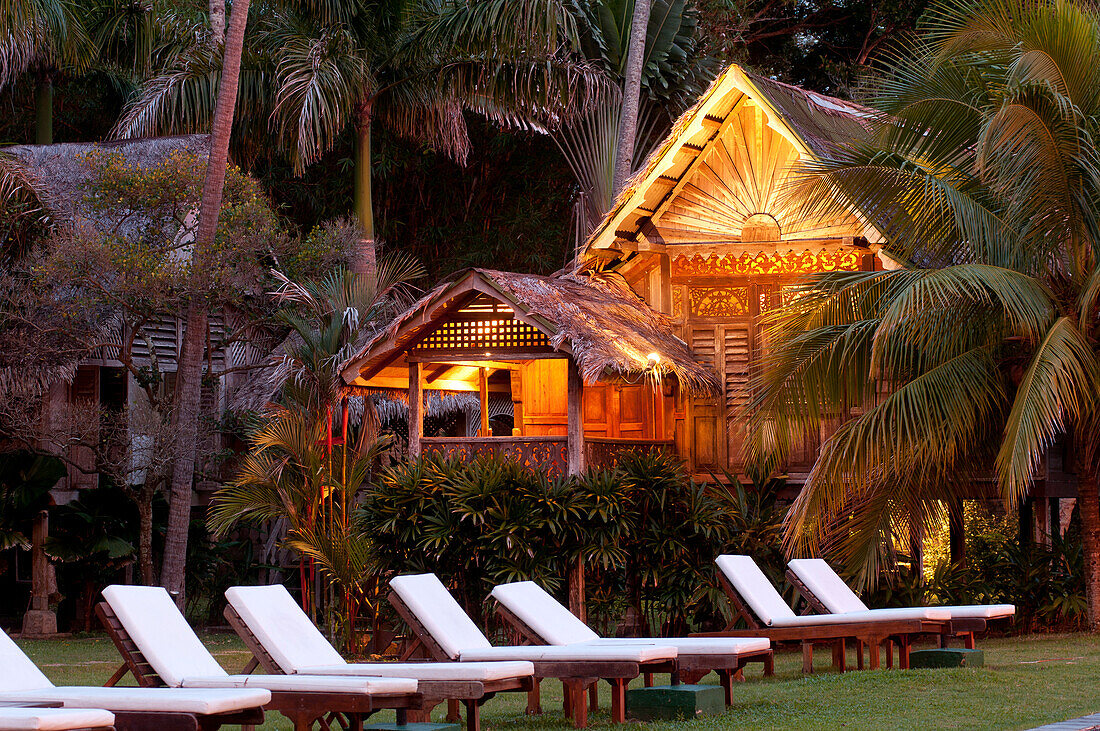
[(651, 340)]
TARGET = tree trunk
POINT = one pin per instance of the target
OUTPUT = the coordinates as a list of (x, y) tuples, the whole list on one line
[(189, 374), (145, 536), (364, 258), (43, 111), (632, 91), (1088, 505), (217, 21)]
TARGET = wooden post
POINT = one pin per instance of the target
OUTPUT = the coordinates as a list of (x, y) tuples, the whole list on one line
[(483, 383), (416, 408), (40, 621), (575, 428)]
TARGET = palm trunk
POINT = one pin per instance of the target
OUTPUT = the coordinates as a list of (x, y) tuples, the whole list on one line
[(364, 258), (632, 91), (1088, 505), (189, 374), (217, 21), (43, 112)]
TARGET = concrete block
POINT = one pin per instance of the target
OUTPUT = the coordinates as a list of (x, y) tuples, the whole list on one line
[(946, 658), (670, 702)]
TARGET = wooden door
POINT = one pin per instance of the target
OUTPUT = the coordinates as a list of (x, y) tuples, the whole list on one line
[(545, 398)]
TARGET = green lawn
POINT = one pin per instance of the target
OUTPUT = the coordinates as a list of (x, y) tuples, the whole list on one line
[(1026, 682)]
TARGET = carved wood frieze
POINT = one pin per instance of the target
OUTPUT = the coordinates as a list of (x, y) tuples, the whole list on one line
[(763, 263)]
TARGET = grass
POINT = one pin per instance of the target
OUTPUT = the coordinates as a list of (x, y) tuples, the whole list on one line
[(1026, 682)]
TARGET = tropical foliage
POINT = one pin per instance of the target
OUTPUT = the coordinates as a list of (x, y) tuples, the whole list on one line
[(645, 533), (976, 348)]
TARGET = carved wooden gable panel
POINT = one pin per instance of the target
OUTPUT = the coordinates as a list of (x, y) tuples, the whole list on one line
[(735, 191)]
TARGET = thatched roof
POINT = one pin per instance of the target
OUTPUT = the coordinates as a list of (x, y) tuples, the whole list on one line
[(599, 322), (58, 177), (813, 123), (60, 173)]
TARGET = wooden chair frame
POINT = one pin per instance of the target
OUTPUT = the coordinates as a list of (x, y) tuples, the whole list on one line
[(576, 675), (964, 629), (686, 667), (303, 708), (471, 693), (871, 635)]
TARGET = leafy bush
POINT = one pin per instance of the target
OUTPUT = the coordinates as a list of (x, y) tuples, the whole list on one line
[(646, 533)]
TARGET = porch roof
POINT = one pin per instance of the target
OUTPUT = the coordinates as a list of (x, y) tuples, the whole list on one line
[(598, 321)]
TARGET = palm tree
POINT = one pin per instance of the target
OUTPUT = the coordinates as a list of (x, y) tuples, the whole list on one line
[(980, 349), (296, 470), (632, 92), (38, 38), (318, 68), (185, 415), (673, 71)]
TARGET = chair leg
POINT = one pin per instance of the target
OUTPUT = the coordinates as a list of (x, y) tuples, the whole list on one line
[(453, 716), (725, 679), (903, 652), (839, 651), (567, 698), (579, 703), (769, 666), (534, 699), (860, 644), (872, 651), (594, 697), (807, 657), (618, 700), (889, 653), (473, 715), (968, 640), (648, 679)]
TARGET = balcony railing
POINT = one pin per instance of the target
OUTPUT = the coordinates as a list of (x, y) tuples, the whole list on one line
[(603, 452), (545, 454)]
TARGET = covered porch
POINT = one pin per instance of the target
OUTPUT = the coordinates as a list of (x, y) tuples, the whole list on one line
[(590, 370)]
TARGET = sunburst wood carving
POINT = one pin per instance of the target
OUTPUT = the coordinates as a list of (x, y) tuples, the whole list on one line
[(739, 187)]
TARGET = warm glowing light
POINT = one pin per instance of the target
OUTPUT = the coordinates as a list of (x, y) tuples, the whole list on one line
[(654, 359)]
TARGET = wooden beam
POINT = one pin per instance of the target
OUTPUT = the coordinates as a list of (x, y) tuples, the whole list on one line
[(575, 428), (437, 372), (416, 408), (483, 381)]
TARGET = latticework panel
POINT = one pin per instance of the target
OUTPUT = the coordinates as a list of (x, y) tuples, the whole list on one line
[(719, 301), (484, 335), (549, 456), (764, 263)]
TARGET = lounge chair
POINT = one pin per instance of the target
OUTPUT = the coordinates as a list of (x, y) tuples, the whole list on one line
[(446, 633), (283, 640), (160, 648), (541, 619), (56, 719), (22, 683), (766, 614), (827, 593)]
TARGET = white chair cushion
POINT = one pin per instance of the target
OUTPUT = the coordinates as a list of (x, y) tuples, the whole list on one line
[(161, 633), (870, 615), (981, 611), (694, 645), (306, 683), (54, 719), (829, 588), (476, 671), (572, 653), (441, 615), (284, 630), (754, 588), (17, 672), (176, 700), (555, 624)]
